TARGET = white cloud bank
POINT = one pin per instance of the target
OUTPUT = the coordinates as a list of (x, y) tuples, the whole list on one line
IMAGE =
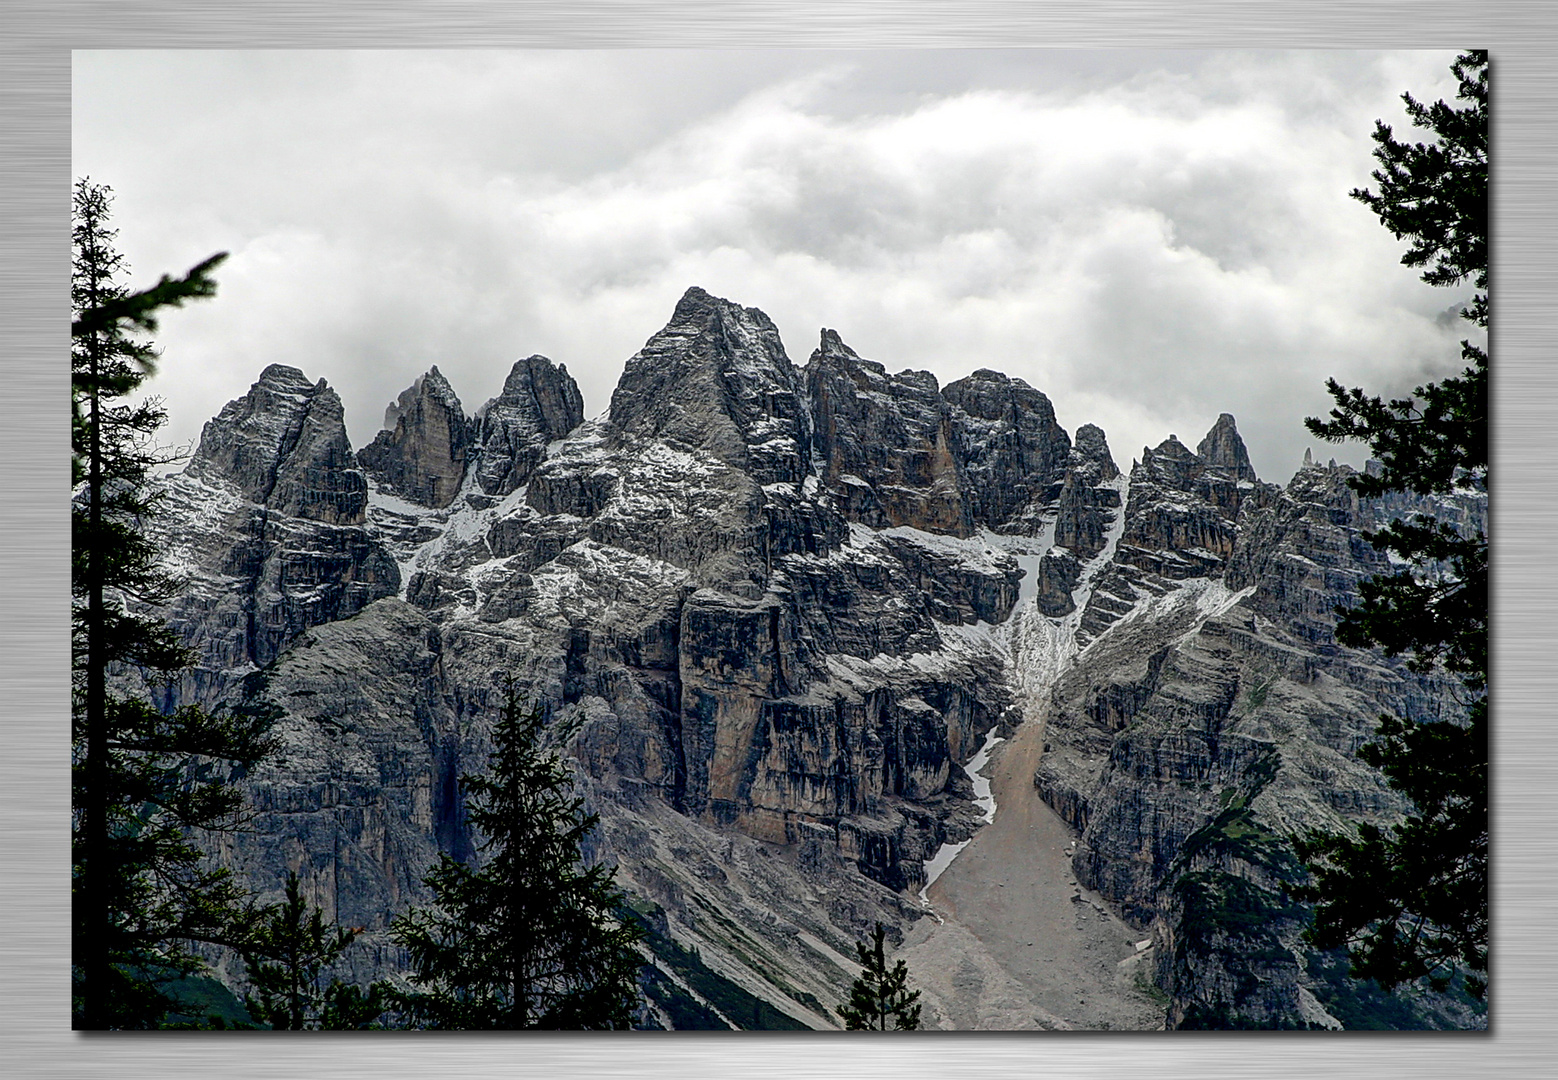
[(1149, 239)]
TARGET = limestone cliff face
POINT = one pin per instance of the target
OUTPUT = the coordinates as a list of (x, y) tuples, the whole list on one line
[(1014, 454), (420, 455), (768, 612), (268, 523), (363, 794), (1221, 719), (886, 443)]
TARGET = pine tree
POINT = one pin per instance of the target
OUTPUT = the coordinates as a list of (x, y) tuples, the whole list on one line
[(288, 949), (142, 780), (531, 939), (1412, 901), (879, 994)]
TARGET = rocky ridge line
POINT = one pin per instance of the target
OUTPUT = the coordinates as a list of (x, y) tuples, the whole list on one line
[(768, 609)]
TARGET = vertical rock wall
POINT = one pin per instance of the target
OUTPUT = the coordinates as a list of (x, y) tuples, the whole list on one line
[(421, 453)]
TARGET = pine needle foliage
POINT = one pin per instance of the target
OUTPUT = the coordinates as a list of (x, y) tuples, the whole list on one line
[(531, 939), (287, 952), (880, 994), (144, 781), (1411, 902)]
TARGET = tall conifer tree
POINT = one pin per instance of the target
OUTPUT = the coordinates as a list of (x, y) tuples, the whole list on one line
[(531, 939), (142, 779), (1412, 901), (880, 994), (287, 951)]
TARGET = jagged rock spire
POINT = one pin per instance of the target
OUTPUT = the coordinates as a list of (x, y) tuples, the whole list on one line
[(540, 402), (1224, 449), (1090, 454), (421, 453), (1085, 508)]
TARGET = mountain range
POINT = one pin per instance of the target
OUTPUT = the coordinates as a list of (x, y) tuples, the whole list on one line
[(773, 614)]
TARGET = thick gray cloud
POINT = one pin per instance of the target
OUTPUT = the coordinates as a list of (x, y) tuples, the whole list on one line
[(1150, 238)]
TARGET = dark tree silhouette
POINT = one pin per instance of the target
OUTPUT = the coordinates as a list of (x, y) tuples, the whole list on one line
[(143, 781), (1412, 901), (287, 951), (880, 994), (531, 939)]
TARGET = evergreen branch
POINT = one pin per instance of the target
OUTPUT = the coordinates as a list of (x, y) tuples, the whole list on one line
[(138, 310)]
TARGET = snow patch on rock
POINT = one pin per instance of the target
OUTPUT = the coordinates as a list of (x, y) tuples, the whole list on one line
[(937, 864)]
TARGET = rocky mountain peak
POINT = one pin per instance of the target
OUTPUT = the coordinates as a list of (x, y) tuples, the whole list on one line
[(1170, 464), (421, 453), (242, 444), (716, 379), (1014, 454), (990, 395), (1181, 511), (868, 377), (1224, 449), (270, 518), (702, 324), (831, 343), (698, 306), (540, 403), (1090, 454), (430, 386), (886, 442), (283, 445), (283, 378), (832, 349)]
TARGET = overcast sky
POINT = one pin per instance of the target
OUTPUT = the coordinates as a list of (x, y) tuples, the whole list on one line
[(1150, 238)]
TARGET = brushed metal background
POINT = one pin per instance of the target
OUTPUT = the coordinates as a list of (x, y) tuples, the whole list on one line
[(35, 42)]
